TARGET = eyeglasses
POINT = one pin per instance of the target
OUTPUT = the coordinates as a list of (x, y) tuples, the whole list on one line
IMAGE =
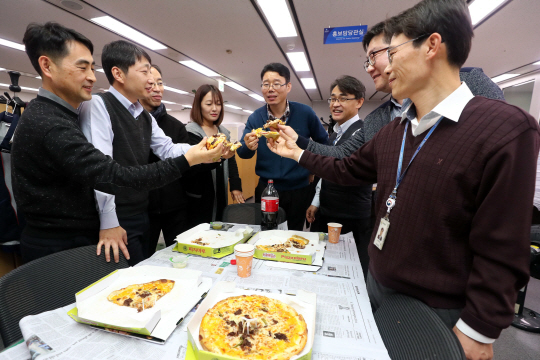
[(390, 51), (371, 58), (277, 86), (158, 84), (341, 100)]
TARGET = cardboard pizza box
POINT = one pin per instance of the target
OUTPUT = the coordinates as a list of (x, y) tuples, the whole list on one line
[(311, 255), (219, 243), (154, 324), (305, 303)]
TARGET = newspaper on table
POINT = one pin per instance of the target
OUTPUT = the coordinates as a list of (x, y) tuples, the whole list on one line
[(345, 327)]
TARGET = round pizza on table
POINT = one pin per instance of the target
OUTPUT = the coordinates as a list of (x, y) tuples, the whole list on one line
[(253, 327)]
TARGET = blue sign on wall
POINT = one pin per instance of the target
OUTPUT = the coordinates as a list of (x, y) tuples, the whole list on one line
[(345, 34)]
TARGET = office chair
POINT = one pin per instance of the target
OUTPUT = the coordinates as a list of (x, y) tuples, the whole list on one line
[(48, 283), (249, 214), (411, 330)]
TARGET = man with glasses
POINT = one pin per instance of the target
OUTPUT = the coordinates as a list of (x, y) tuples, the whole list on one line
[(456, 177), (348, 205), (290, 180), (118, 125), (167, 208)]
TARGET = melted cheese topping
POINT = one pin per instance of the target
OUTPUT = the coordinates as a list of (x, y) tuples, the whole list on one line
[(141, 296), (277, 331)]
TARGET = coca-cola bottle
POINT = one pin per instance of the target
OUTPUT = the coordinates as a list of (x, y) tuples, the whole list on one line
[(269, 207)]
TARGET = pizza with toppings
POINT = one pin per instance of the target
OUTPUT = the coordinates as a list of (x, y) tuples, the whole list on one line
[(141, 296), (276, 248), (267, 134), (273, 123), (253, 327), (219, 138)]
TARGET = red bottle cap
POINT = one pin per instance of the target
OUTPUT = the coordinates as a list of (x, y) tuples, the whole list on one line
[(233, 262)]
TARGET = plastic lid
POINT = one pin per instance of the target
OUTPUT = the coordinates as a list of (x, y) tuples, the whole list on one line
[(270, 181), (233, 262)]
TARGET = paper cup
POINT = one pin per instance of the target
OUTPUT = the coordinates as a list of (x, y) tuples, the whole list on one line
[(244, 258), (334, 229)]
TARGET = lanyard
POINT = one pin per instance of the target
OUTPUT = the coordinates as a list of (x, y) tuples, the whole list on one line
[(391, 202)]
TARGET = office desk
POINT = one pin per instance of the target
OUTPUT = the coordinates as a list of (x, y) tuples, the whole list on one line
[(345, 328)]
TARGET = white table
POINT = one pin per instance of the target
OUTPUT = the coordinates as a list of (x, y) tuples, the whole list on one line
[(345, 328)]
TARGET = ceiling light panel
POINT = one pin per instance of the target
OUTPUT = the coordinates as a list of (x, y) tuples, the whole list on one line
[(235, 86), (309, 83), (298, 60), (187, 106), (479, 9), (128, 32), (248, 111), (257, 97), (233, 107), (100, 70), (279, 17), (198, 67), (537, 63), (168, 88), (503, 77), (12, 44), (168, 102)]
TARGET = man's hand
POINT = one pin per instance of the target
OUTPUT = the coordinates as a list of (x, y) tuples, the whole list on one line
[(289, 131), (473, 349), (227, 154), (115, 238), (198, 154), (238, 196), (284, 146), (252, 141), (310, 213)]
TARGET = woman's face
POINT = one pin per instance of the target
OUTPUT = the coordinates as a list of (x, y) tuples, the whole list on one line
[(210, 107)]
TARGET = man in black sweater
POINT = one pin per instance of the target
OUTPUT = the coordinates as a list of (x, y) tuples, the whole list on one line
[(167, 208), (55, 168)]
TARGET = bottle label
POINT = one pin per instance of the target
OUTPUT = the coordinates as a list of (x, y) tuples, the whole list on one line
[(270, 204)]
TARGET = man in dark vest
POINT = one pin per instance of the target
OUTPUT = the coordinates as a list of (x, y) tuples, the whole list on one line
[(347, 205), (118, 125)]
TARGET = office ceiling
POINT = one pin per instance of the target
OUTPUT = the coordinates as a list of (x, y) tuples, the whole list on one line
[(203, 30)]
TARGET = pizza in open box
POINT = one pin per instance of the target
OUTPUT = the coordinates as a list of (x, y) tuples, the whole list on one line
[(253, 327), (141, 296)]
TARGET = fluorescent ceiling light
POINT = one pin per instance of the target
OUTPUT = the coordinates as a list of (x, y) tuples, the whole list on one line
[(298, 60), (233, 107), (536, 63), (279, 17), (248, 111), (309, 83), (2, 69), (198, 67), (187, 106), (257, 97), (523, 83), (168, 109), (167, 102), (175, 90), (503, 77), (22, 87), (235, 86), (12, 44), (479, 9), (101, 70), (128, 32), (38, 77)]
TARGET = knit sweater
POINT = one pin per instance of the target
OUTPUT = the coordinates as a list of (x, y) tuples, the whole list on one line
[(286, 173), (55, 170), (459, 232)]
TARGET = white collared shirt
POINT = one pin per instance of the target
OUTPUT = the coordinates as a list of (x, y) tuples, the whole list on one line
[(337, 128), (95, 123), (451, 108)]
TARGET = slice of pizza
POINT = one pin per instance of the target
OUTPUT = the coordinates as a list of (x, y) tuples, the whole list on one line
[(270, 134), (232, 146), (215, 140), (258, 132), (141, 296), (273, 123)]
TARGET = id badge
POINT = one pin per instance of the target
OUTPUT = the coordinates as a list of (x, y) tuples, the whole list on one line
[(382, 231)]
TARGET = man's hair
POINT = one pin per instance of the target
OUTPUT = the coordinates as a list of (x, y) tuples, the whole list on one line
[(196, 109), (349, 85), (121, 54), (158, 69), (51, 40), (281, 69), (448, 18), (374, 31)]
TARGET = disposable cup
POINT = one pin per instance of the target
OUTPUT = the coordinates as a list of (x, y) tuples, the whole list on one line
[(334, 229), (244, 259)]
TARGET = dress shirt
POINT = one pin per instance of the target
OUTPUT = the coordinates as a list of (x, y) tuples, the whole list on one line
[(96, 126), (49, 95), (395, 111), (283, 117), (339, 130)]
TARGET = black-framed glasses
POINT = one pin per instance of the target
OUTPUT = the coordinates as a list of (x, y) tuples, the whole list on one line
[(390, 51), (341, 100), (158, 84), (276, 86), (371, 58)]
